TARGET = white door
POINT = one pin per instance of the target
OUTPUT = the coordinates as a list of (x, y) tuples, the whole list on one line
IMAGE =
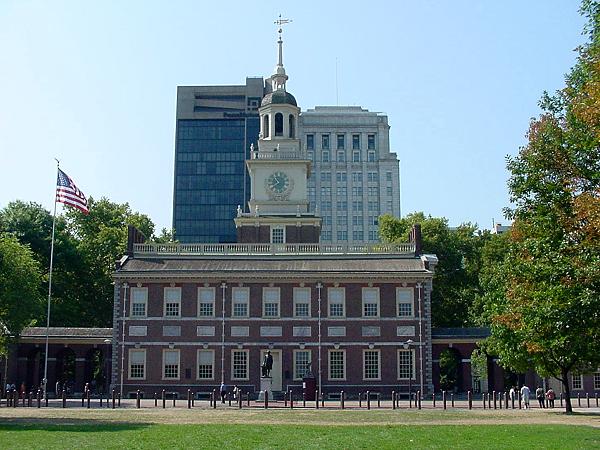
[(276, 371)]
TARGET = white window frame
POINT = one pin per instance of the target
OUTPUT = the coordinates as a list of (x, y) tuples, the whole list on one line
[(596, 378), (578, 377), (132, 292), (212, 352), (264, 302), (233, 353), (212, 292), (329, 302), (329, 353), (295, 368), (164, 358), (410, 351), (410, 302), (277, 228), (378, 353), (129, 359), (238, 301), (297, 293), (377, 302), (165, 301)]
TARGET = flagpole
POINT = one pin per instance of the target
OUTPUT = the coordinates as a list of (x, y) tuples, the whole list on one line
[(45, 381)]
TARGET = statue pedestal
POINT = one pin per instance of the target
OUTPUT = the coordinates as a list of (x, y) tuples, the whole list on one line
[(265, 385)]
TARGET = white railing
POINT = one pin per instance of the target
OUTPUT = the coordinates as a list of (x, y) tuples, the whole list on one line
[(271, 249), (282, 154)]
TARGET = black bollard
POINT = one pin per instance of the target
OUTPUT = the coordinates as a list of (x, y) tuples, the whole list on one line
[(24, 400), (579, 400), (444, 399), (83, 399), (512, 401), (64, 398), (483, 398), (494, 395), (266, 399), (433, 399), (419, 398), (322, 400), (189, 399), (596, 399), (317, 399), (285, 394), (291, 399), (239, 398), (303, 399), (137, 399), (39, 398), (561, 399), (587, 397), (368, 394), (452, 399), (88, 399), (214, 398), (500, 399), (342, 400), (229, 398), (30, 399), (164, 399), (119, 399), (248, 398), (470, 399), (114, 398), (489, 397), (360, 399), (16, 399), (393, 399), (174, 398), (378, 400), (520, 400), (410, 399)]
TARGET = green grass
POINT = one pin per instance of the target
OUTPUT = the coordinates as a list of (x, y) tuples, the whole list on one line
[(88, 435)]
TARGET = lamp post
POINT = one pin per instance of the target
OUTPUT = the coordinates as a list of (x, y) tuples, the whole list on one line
[(125, 286), (319, 287), (107, 376), (406, 346)]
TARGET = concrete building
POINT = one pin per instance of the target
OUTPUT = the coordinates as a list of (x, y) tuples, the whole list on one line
[(356, 177)]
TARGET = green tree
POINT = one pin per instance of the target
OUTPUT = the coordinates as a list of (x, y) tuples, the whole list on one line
[(20, 278), (456, 278), (545, 312), (449, 373)]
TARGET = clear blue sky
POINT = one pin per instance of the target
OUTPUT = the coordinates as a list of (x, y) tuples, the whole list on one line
[(94, 84)]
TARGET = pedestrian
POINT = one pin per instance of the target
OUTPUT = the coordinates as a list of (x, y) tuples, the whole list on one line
[(550, 395), (525, 395), (512, 393), (539, 394), (223, 390)]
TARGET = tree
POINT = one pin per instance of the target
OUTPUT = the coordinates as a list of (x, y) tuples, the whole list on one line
[(20, 278), (449, 373), (456, 278), (545, 310)]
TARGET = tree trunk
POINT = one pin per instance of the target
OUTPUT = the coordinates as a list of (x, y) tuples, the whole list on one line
[(567, 391)]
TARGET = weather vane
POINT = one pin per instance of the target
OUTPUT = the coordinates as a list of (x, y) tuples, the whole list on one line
[(280, 22)]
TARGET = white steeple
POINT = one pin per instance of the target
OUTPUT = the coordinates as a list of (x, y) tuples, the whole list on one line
[(279, 78)]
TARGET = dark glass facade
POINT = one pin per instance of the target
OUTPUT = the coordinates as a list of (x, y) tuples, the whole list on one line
[(210, 176)]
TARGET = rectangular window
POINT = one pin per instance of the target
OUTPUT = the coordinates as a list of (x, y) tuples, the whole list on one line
[(311, 155), (370, 301), (357, 220), (310, 142), (342, 235), (371, 156), (325, 156), (341, 142), (577, 381), (277, 235), (206, 364), (356, 156), (373, 191), (374, 205), (337, 302), (388, 176), (270, 302), (171, 364), (356, 142), (325, 142), (357, 177), (342, 205), (357, 205), (241, 296), (597, 381), (388, 191), (342, 221), (342, 191), (301, 302), (206, 302), (326, 205), (340, 177), (406, 364), (404, 302), (371, 365), (137, 364), (172, 302), (326, 176), (139, 302), (372, 177), (326, 221), (326, 235), (337, 364), (325, 191), (239, 365), (357, 191), (341, 156), (358, 235), (371, 142), (373, 220), (373, 235), (301, 363)]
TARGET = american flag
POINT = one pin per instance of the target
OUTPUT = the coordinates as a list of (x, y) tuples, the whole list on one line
[(69, 194)]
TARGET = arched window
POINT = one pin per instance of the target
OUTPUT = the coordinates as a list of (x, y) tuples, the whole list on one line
[(266, 125), (278, 124), (292, 127)]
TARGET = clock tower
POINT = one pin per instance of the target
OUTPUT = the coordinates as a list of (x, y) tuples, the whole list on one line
[(279, 170)]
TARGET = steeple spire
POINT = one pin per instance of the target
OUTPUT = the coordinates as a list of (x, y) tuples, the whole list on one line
[(279, 77)]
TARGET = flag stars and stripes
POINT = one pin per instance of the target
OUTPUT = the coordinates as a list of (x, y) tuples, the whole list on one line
[(69, 194)]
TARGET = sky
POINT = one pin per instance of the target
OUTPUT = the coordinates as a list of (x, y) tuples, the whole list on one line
[(94, 85)]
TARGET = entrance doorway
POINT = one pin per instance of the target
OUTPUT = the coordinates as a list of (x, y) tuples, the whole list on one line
[(276, 371)]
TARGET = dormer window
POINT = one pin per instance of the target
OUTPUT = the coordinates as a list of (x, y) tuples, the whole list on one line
[(278, 124)]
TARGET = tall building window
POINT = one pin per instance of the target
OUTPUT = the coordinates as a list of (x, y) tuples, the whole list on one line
[(357, 220), (266, 125), (357, 205), (311, 155), (137, 364), (337, 364), (206, 364), (171, 364), (310, 142), (342, 235), (337, 302), (388, 176), (371, 156), (372, 177), (341, 156), (278, 124), (326, 221), (325, 176), (356, 142), (404, 302), (326, 235), (341, 142), (356, 156), (371, 142), (325, 156), (406, 364), (373, 235), (357, 177), (301, 302), (597, 381), (277, 235), (371, 369), (357, 191), (239, 365), (270, 302), (358, 235), (325, 142), (373, 220), (341, 191), (139, 301), (340, 177), (326, 205), (342, 221), (206, 302), (172, 302), (577, 381), (388, 191), (370, 302), (301, 363), (241, 296)]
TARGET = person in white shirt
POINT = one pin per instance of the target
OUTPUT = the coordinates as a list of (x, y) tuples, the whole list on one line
[(525, 395)]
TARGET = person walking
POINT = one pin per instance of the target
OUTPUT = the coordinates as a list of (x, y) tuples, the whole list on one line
[(223, 390), (525, 392), (539, 394), (550, 396)]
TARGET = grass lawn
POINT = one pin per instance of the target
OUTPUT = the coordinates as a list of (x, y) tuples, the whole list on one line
[(140, 435)]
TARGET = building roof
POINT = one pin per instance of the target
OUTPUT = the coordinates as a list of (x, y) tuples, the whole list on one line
[(67, 331), (279, 97), (449, 333)]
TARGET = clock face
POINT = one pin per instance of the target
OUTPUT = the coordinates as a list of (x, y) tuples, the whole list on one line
[(278, 183)]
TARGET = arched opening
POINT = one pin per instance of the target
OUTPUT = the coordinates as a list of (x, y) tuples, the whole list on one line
[(479, 371), (96, 370), (278, 124), (292, 127), (65, 369), (266, 125), (450, 370), (35, 369)]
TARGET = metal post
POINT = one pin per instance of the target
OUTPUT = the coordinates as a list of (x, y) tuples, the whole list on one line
[(291, 399), (114, 398), (470, 399), (433, 399), (360, 399), (155, 400), (64, 398), (368, 394), (494, 395), (137, 399), (419, 398), (317, 399), (266, 399), (342, 399), (393, 399), (189, 398), (164, 399), (444, 399), (452, 399), (174, 398), (587, 397)]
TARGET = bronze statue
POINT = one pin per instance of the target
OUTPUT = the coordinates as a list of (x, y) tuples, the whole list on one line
[(267, 365)]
